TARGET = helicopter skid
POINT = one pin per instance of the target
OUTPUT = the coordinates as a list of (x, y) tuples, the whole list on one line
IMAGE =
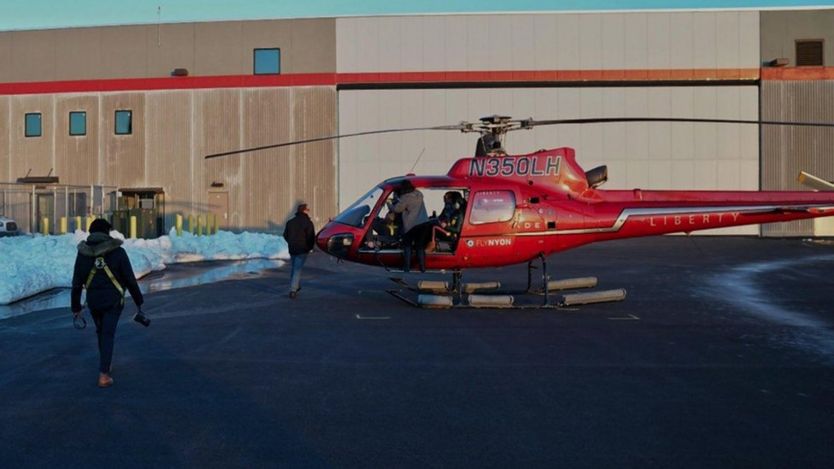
[(439, 295)]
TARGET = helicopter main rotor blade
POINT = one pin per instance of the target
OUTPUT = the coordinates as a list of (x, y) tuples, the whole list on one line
[(528, 123), (458, 127)]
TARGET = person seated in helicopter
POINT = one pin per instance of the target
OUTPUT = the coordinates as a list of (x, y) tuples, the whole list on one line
[(388, 230), (450, 221)]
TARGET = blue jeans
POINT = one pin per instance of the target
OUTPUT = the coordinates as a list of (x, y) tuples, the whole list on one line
[(295, 275)]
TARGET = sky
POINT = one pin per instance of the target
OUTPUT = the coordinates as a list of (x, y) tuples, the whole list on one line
[(44, 14)]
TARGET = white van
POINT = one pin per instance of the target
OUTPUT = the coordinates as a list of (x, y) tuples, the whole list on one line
[(8, 227)]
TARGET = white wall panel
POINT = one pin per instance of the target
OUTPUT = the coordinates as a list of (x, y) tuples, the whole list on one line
[(648, 156), (637, 41), (391, 45), (477, 44), (567, 42), (612, 34), (545, 44), (557, 41), (727, 42), (704, 39), (523, 31), (434, 43), (455, 46), (658, 45), (590, 42), (681, 42), (412, 33), (748, 39)]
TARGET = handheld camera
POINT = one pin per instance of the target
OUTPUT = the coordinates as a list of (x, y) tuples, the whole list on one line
[(141, 318)]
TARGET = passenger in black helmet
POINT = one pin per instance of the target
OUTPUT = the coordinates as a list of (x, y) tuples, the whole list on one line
[(451, 218), (103, 269)]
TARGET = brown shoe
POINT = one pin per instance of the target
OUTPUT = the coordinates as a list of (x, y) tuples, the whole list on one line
[(104, 380)]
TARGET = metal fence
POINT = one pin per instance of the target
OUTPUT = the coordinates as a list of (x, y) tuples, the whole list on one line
[(36, 207)]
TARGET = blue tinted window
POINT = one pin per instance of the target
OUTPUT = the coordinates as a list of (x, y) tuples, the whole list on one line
[(267, 61), (124, 122), (78, 123), (33, 124)]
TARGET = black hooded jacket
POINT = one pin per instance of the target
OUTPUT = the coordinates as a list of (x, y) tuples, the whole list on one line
[(300, 234), (102, 294)]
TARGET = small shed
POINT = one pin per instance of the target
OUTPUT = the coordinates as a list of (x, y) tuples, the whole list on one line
[(147, 204)]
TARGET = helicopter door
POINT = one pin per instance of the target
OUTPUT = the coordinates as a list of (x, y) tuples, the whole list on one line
[(489, 221)]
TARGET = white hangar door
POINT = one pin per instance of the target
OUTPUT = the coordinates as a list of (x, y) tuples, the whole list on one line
[(638, 155)]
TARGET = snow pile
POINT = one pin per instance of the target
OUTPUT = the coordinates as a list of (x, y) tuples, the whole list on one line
[(30, 265)]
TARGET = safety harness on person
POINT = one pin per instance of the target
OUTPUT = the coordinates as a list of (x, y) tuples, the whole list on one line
[(99, 264)]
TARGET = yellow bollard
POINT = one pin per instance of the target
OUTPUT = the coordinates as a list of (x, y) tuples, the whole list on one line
[(63, 229), (212, 228), (178, 224), (200, 225), (45, 226), (133, 227), (192, 228), (90, 220), (77, 223)]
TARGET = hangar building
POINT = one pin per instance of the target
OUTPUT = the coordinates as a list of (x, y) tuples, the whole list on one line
[(141, 105)]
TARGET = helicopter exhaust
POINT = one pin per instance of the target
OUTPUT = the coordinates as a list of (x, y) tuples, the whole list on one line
[(571, 299)]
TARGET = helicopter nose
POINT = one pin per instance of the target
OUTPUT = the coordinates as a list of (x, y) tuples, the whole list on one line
[(322, 238), (336, 239)]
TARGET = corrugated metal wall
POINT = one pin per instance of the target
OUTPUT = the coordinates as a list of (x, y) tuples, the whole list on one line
[(172, 132), (647, 156), (786, 150)]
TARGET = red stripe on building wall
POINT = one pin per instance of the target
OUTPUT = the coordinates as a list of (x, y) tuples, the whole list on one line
[(371, 78), (169, 83), (798, 73)]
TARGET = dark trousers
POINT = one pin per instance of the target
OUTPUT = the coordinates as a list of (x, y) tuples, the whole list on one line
[(416, 238), (106, 322)]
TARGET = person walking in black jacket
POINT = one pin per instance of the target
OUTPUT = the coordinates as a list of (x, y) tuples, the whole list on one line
[(300, 235), (103, 268)]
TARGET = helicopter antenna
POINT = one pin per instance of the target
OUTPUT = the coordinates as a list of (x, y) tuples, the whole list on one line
[(418, 160)]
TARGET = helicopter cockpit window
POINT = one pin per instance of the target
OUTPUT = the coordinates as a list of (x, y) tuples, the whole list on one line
[(356, 214), (492, 207)]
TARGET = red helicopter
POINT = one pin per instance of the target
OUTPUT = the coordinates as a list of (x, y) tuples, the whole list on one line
[(519, 208)]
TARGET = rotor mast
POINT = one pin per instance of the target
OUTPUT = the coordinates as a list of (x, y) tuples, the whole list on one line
[(493, 129)]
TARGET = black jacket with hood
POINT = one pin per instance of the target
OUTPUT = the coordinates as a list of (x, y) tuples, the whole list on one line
[(300, 234), (102, 294)]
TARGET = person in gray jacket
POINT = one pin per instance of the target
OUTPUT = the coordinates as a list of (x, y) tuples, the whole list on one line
[(413, 210)]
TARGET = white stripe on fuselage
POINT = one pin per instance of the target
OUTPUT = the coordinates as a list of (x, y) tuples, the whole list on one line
[(670, 211)]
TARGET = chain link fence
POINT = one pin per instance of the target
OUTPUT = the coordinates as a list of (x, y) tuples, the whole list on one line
[(39, 207)]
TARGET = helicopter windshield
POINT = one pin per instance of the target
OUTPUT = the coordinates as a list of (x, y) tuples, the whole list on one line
[(356, 213)]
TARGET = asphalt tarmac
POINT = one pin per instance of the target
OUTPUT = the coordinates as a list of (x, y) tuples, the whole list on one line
[(721, 356)]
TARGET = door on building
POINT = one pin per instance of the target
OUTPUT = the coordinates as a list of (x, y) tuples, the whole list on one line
[(45, 208), (219, 205)]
